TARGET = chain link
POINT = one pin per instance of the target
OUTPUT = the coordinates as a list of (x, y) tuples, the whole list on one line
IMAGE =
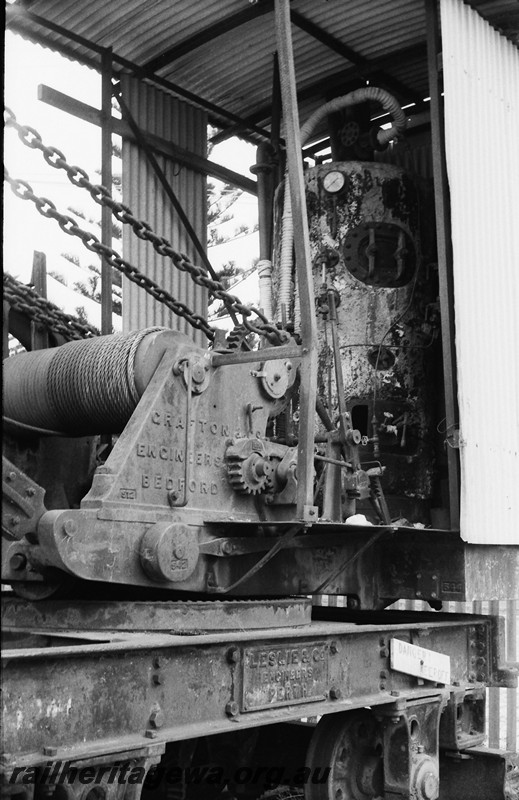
[(28, 302), (47, 209), (101, 195)]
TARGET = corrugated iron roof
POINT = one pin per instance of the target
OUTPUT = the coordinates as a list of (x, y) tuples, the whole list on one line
[(222, 50)]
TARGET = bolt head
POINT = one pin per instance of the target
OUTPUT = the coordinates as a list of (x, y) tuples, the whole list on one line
[(335, 693), (157, 679), (30, 491), (50, 751), (232, 709), (333, 648), (198, 373), (157, 719), (14, 521), (150, 733), (10, 476)]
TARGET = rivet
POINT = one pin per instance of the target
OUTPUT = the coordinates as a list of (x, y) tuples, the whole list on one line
[(10, 476), (30, 491)]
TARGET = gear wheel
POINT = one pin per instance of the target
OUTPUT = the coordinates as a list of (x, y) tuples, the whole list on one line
[(248, 475), (237, 338)]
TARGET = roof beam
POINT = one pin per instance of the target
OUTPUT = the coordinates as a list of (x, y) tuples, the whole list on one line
[(342, 80), (208, 34), (348, 53), (165, 147), (15, 18)]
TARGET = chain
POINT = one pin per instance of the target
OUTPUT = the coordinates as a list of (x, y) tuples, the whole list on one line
[(101, 195), (25, 300), (47, 209)]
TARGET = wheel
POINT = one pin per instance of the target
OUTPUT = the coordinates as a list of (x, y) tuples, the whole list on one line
[(349, 744)]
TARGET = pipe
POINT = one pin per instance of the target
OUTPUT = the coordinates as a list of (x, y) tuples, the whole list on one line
[(389, 104), (387, 101), (263, 170), (265, 286)]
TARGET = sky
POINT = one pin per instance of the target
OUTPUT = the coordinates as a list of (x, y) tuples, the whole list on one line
[(26, 66)]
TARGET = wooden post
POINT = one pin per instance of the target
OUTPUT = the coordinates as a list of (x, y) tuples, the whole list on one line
[(39, 336)]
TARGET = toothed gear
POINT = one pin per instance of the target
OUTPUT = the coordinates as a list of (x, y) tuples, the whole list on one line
[(248, 475), (236, 337)]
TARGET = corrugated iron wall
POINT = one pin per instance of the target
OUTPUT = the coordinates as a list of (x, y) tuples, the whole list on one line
[(502, 707), (481, 84), (158, 113)]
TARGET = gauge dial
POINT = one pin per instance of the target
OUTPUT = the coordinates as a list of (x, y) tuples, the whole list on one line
[(333, 181)]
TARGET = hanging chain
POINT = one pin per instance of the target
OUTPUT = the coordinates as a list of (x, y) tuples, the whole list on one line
[(28, 302), (47, 209), (101, 195)]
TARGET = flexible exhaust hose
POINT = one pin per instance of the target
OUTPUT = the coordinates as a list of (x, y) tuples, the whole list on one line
[(389, 104), (80, 388)]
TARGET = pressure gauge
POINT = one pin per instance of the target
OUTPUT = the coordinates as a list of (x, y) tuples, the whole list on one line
[(333, 181)]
